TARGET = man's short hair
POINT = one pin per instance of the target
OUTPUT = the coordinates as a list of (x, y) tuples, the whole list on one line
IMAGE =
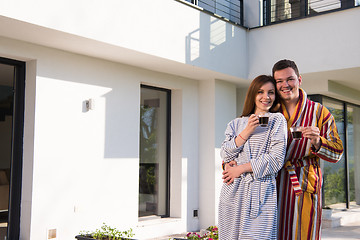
[(285, 63)]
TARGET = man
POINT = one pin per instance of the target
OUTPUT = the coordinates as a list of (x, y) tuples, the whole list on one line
[(300, 180)]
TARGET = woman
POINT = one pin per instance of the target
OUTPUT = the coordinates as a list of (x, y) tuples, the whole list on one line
[(252, 155)]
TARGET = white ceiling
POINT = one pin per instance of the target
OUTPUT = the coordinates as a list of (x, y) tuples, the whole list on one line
[(349, 77)]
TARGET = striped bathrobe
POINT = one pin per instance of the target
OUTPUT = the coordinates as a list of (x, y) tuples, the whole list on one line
[(248, 206), (300, 180)]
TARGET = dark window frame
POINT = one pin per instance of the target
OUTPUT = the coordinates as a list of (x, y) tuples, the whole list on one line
[(13, 231)]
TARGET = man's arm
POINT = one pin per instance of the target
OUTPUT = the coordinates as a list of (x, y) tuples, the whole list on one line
[(331, 147)]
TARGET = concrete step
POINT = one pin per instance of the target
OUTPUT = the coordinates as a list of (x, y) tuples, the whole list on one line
[(336, 218)]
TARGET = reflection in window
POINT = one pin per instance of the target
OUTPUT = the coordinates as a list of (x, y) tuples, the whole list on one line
[(6, 130), (316, 6), (353, 138), (336, 193), (279, 10)]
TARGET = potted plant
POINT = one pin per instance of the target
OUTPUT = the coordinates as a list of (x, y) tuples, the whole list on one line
[(105, 233)]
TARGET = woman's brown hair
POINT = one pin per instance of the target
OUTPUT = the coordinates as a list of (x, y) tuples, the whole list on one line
[(256, 84)]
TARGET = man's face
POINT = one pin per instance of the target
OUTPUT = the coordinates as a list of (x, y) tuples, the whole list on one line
[(287, 84)]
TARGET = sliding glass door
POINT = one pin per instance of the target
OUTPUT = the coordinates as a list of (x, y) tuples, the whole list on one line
[(341, 187)]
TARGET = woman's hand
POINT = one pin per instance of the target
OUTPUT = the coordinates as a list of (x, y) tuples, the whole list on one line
[(253, 122), (231, 173)]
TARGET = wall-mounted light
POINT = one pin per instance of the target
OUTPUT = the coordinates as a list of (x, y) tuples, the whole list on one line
[(89, 104)]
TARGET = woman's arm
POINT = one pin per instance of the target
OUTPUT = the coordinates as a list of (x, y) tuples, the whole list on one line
[(235, 171), (229, 150), (231, 171), (272, 161)]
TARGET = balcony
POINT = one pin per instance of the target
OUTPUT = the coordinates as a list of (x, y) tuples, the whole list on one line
[(230, 10)]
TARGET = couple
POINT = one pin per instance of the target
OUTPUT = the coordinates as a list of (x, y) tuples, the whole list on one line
[(272, 183)]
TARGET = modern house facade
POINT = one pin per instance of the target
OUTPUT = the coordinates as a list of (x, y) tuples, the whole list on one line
[(114, 111)]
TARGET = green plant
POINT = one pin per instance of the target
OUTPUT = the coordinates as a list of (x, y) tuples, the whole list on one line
[(211, 234), (108, 233), (334, 186)]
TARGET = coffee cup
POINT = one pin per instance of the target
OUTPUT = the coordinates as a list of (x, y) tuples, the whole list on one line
[(263, 119), (296, 132)]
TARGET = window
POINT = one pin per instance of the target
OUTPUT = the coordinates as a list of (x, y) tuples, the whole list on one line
[(154, 152), (279, 10), (6, 129), (335, 173), (353, 139), (341, 187), (12, 99)]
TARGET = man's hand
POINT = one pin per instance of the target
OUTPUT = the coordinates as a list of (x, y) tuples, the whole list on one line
[(313, 133), (229, 164)]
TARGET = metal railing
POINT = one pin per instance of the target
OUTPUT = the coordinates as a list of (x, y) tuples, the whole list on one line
[(280, 10), (231, 10)]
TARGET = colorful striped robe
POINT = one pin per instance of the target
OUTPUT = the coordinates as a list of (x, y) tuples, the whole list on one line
[(300, 180)]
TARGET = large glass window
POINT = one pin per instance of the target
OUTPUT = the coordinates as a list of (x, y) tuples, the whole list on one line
[(353, 140), (12, 90), (335, 173), (279, 10), (6, 126), (154, 152), (341, 187)]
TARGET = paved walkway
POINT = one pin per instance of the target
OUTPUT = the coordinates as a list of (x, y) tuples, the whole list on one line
[(349, 231)]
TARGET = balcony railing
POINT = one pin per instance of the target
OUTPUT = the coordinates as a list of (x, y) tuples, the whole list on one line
[(231, 10), (280, 10)]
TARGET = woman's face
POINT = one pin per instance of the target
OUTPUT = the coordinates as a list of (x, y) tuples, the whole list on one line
[(265, 98)]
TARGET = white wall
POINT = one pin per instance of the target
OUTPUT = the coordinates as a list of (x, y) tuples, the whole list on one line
[(225, 110), (240, 99), (168, 30), (82, 166), (316, 44), (217, 109), (206, 193)]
